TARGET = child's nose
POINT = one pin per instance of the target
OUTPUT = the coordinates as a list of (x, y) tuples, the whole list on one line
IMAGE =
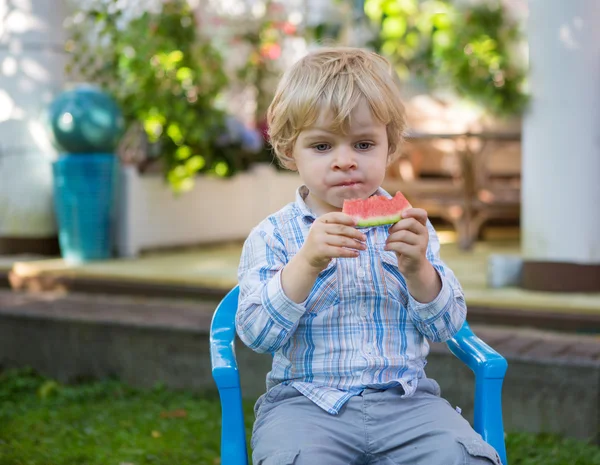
[(344, 159)]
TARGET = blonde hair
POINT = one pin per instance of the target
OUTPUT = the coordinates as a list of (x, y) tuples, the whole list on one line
[(334, 80)]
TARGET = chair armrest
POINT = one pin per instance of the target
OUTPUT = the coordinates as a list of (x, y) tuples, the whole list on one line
[(226, 376), (484, 361), (489, 368)]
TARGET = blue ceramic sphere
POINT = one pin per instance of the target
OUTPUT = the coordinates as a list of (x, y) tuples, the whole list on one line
[(85, 120)]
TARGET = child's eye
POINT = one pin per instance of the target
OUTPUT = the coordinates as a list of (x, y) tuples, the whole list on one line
[(364, 145), (321, 147)]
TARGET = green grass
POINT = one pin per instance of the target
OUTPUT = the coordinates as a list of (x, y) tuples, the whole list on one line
[(107, 422)]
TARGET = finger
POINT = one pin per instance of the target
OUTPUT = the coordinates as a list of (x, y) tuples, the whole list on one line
[(404, 249), (341, 252), (417, 213), (342, 241), (409, 224), (337, 218), (341, 230), (406, 236)]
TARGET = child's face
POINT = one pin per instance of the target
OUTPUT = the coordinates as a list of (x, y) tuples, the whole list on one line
[(337, 166)]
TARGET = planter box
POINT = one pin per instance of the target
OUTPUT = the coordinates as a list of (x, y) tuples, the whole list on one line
[(215, 210)]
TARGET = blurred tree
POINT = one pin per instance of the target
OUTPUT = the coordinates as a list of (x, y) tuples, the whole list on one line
[(468, 48)]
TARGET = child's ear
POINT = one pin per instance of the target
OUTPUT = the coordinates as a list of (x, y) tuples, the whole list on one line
[(289, 162), (391, 154)]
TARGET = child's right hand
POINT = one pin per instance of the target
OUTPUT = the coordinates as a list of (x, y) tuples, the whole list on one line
[(332, 235)]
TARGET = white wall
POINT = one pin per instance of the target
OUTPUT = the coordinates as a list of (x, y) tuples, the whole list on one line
[(31, 72)]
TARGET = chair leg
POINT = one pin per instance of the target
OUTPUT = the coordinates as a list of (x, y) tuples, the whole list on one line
[(233, 432), (488, 414)]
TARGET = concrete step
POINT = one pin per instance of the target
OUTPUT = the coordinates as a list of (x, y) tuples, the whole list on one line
[(552, 384)]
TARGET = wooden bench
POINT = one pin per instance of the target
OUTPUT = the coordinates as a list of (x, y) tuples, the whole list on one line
[(465, 178)]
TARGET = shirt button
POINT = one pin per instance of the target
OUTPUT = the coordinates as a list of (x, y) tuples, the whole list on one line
[(361, 273)]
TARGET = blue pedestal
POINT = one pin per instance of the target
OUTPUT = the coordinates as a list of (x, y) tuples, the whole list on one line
[(84, 192)]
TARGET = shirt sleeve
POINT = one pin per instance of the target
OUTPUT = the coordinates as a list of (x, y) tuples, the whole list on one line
[(440, 319), (266, 317)]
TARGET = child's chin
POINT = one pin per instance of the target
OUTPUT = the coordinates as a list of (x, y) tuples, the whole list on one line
[(334, 202), (350, 194)]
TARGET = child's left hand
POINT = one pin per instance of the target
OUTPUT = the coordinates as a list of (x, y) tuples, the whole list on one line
[(409, 238)]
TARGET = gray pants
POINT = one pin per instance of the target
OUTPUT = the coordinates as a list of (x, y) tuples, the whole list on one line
[(375, 428)]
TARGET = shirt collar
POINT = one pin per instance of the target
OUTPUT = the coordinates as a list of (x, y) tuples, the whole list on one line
[(307, 214)]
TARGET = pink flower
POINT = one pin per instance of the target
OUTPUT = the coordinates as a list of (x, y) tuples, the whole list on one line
[(288, 28), (271, 51)]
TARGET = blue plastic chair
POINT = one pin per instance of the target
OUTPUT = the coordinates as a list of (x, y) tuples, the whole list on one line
[(489, 368)]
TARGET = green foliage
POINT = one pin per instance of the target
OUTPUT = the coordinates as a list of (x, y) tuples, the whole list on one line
[(468, 48), (107, 422), (164, 75), (547, 449)]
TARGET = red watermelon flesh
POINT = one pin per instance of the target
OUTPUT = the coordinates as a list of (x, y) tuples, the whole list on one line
[(376, 210)]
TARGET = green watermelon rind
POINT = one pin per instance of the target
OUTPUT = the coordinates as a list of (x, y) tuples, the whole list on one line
[(378, 221)]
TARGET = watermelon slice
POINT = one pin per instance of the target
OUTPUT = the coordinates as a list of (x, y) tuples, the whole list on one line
[(376, 210)]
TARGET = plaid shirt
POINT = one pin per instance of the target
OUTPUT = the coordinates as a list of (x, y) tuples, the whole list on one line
[(359, 327)]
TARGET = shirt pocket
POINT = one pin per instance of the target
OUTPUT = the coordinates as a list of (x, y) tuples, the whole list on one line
[(393, 283), (325, 292)]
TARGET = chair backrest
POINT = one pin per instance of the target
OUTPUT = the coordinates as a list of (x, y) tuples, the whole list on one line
[(222, 338)]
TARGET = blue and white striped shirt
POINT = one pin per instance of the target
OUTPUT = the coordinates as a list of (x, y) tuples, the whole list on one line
[(359, 327)]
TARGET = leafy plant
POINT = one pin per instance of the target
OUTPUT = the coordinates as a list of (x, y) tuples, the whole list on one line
[(164, 75), (467, 48)]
